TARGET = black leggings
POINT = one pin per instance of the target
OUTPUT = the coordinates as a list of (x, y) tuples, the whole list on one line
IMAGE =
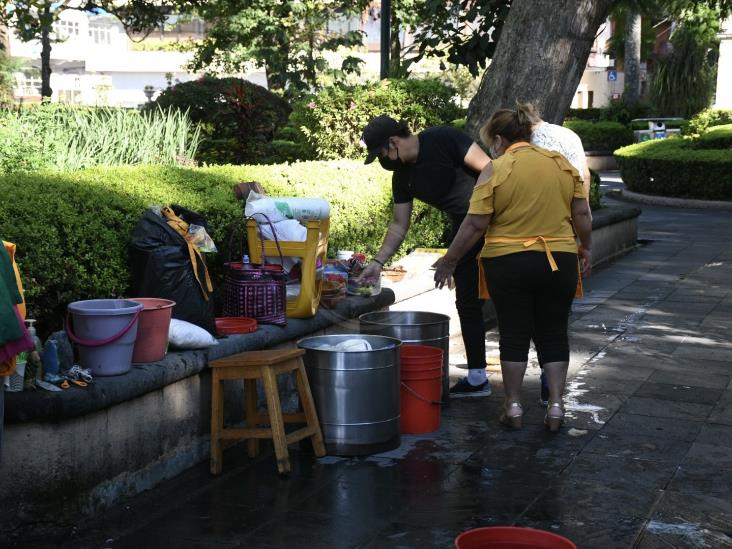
[(532, 301), (469, 306)]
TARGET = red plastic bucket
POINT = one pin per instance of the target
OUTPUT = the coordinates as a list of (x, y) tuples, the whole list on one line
[(421, 388), (511, 537), (152, 330)]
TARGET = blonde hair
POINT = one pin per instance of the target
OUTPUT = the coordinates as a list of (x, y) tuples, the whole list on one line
[(513, 125)]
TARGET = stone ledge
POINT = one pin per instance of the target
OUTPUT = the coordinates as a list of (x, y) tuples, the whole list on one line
[(671, 202), (39, 406), (609, 216)]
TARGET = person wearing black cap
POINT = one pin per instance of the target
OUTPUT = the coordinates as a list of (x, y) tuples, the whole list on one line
[(439, 166)]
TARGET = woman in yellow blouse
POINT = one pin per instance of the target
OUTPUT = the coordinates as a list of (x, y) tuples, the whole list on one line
[(528, 205)]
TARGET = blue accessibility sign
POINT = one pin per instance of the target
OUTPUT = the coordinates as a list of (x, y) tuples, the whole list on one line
[(612, 75)]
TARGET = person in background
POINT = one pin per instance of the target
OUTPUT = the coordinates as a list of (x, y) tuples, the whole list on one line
[(526, 207), (553, 137), (438, 166)]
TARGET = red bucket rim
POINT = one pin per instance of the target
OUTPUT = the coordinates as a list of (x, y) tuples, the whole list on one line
[(229, 325), (515, 534), (414, 351)]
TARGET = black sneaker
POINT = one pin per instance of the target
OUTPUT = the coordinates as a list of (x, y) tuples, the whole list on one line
[(544, 397), (463, 388)]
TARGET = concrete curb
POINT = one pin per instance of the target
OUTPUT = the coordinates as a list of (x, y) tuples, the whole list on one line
[(670, 202)]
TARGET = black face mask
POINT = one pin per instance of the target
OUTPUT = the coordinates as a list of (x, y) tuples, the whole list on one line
[(389, 164)]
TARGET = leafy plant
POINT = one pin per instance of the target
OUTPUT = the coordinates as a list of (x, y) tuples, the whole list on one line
[(64, 137), (238, 119), (287, 38), (330, 123), (706, 118), (684, 81), (718, 137)]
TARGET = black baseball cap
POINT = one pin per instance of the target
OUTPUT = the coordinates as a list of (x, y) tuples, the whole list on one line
[(377, 133)]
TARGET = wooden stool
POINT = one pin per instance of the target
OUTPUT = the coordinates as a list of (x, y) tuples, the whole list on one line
[(264, 365)]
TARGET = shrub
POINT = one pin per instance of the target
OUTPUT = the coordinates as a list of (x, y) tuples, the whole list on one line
[(593, 113), (718, 137), (330, 123), (72, 228), (706, 118), (603, 136), (674, 167), (70, 138), (230, 110)]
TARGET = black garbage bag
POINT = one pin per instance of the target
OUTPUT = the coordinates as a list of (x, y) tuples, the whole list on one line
[(160, 266)]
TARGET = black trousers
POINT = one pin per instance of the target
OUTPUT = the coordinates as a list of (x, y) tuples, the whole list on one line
[(532, 301), (469, 305)]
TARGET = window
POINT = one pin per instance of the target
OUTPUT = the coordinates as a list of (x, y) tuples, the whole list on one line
[(65, 29), (29, 85), (100, 35)]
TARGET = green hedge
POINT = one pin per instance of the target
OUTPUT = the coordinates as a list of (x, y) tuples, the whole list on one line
[(72, 228), (707, 118), (675, 167), (717, 137), (330, 123), (601, 136)]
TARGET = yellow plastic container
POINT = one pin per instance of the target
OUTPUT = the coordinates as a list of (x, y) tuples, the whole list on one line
[(315, 246)]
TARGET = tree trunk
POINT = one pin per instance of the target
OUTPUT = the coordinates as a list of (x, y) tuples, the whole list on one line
[(46, 90), (395, 47), (4, 38), (632, 57), (540, 57)]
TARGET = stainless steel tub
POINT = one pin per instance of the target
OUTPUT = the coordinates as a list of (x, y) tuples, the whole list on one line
[(356, 393), (416, 328)]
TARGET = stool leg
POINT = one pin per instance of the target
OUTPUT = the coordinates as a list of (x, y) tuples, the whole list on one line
[(217, 422), (250, 402), (276, 420), (308, 406)]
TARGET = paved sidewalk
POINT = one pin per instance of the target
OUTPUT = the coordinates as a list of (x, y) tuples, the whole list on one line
[(644, 460)]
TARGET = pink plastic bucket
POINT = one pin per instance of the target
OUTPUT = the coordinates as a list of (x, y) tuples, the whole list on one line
[(105, 332)]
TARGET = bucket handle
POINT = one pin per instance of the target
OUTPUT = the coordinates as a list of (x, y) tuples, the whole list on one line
[(420, 397), (98, 342)]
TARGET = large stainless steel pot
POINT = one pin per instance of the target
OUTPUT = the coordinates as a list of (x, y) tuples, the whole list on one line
[(356, 393)]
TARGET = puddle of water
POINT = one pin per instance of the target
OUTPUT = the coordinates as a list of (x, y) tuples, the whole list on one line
[(572, 392), (693, 532)]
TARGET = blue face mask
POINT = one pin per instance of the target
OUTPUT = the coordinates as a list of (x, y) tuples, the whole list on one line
[(389, 164)]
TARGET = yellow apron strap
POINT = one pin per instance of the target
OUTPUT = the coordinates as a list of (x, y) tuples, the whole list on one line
[(181, 227), (483, 285)]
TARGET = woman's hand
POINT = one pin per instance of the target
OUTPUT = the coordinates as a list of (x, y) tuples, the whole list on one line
[(585, 261), (444, 269)]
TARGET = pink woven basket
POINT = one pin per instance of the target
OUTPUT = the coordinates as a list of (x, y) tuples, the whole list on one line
[(256, 291)]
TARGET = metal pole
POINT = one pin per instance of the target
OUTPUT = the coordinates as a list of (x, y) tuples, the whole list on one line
[(385, 31)]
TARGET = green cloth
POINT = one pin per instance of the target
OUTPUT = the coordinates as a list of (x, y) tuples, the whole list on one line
[(10, 329)]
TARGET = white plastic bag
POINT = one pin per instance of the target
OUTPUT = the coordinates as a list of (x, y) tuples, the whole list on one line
[(184, 335), (281, 208)]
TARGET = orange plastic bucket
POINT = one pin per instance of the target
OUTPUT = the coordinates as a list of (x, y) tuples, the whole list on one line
[(152, 329), (421, 377), (511, 537)]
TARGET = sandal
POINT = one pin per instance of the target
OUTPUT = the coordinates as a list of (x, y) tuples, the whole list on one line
[(554, 416), (512, 416)]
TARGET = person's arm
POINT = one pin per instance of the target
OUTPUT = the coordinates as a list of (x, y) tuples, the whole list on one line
[(471, 230), (395, 233), (582, 221), (476, 159)]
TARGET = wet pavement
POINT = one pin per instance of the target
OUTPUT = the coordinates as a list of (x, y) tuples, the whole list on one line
[(644, 459)]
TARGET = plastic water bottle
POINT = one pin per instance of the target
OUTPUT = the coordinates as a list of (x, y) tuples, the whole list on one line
[(34, 336)]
